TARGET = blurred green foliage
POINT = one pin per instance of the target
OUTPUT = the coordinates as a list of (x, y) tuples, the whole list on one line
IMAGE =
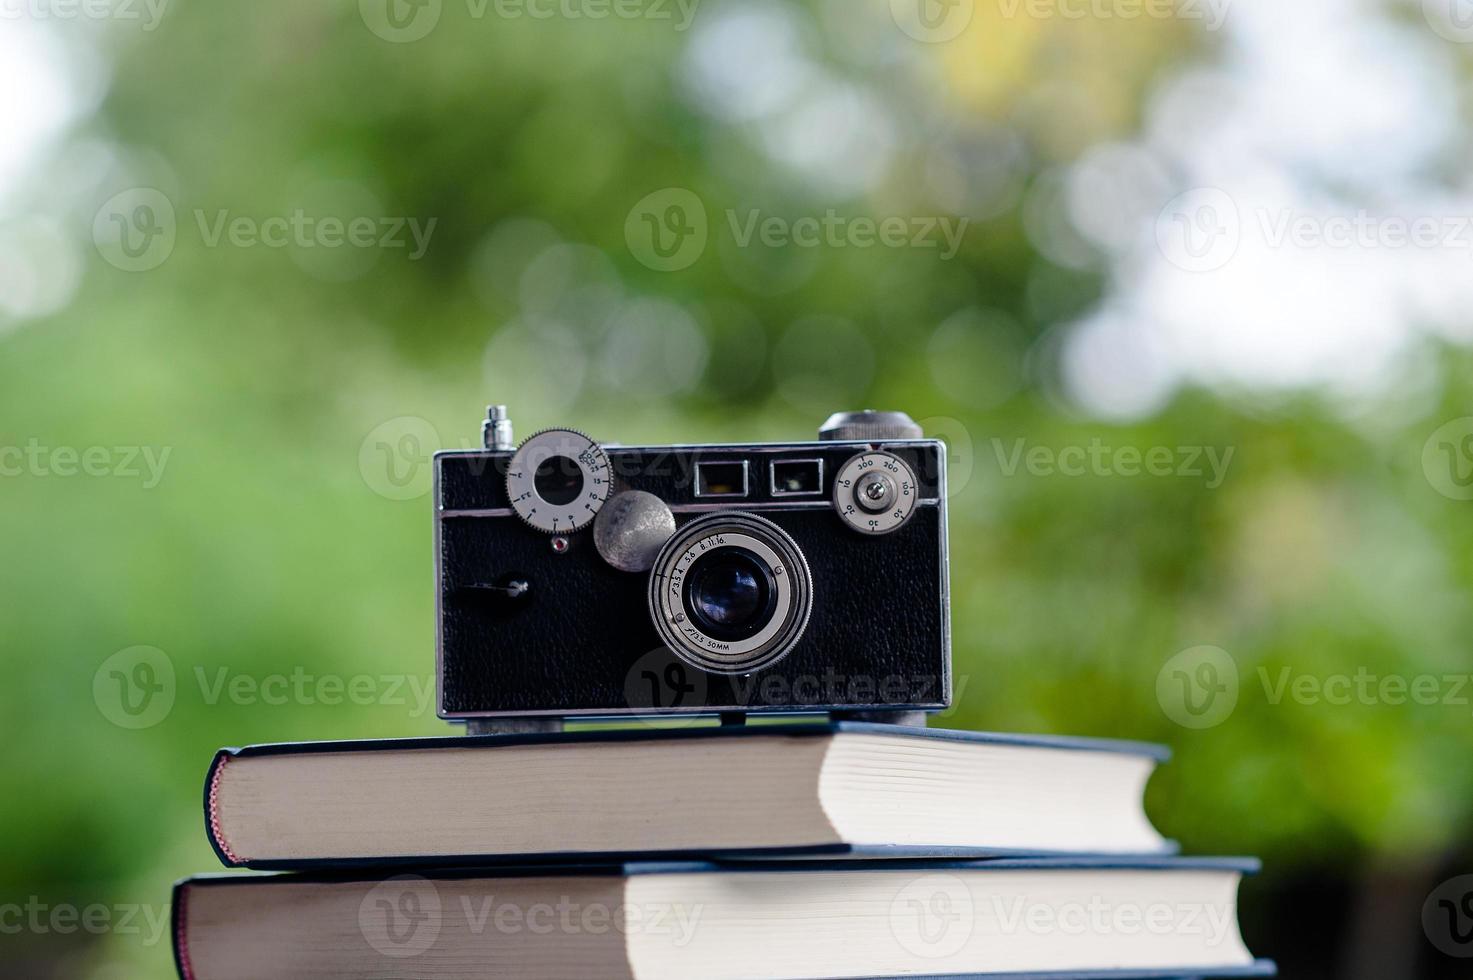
[(265, 550)]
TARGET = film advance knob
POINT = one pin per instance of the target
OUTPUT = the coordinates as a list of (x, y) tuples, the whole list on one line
[(869, 426)]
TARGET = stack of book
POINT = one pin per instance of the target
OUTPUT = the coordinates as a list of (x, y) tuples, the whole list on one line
[(821, 850)]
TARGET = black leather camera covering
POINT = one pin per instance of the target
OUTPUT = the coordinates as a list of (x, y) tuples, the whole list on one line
[(580, 641)]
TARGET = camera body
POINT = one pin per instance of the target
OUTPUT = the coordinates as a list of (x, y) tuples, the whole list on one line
[(578, 580)]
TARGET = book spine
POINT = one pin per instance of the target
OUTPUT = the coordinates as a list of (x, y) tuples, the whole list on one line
[(212, 813), (178, 912)]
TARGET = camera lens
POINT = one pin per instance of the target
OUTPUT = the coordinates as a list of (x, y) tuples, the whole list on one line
[(558, 480), (730, 593)]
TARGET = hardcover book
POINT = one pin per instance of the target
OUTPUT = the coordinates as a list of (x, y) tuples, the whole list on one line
[(1000, 918), (832, 789)]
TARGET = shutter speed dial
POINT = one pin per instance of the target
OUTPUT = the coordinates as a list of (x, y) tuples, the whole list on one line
[(875, 492), (558, 481)]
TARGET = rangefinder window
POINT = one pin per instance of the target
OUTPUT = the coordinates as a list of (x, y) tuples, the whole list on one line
[(797, 477), (721, 479)]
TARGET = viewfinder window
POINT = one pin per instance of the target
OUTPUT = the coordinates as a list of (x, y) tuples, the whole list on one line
[(721, 479)]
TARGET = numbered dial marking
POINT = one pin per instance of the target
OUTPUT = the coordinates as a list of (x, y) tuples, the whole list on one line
[(558, 481), (875, 492)]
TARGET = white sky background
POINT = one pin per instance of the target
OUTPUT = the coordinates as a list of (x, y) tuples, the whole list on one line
[(33, 106), (50, 78), (1338, 118), (47, 83)]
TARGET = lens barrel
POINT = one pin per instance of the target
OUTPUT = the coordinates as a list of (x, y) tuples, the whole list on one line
[(730, 593)]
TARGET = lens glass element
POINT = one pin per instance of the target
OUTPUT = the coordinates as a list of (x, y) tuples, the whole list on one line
[(729, 592)]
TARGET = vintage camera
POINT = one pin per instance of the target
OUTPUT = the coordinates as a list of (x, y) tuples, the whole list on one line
[(578, 580)]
